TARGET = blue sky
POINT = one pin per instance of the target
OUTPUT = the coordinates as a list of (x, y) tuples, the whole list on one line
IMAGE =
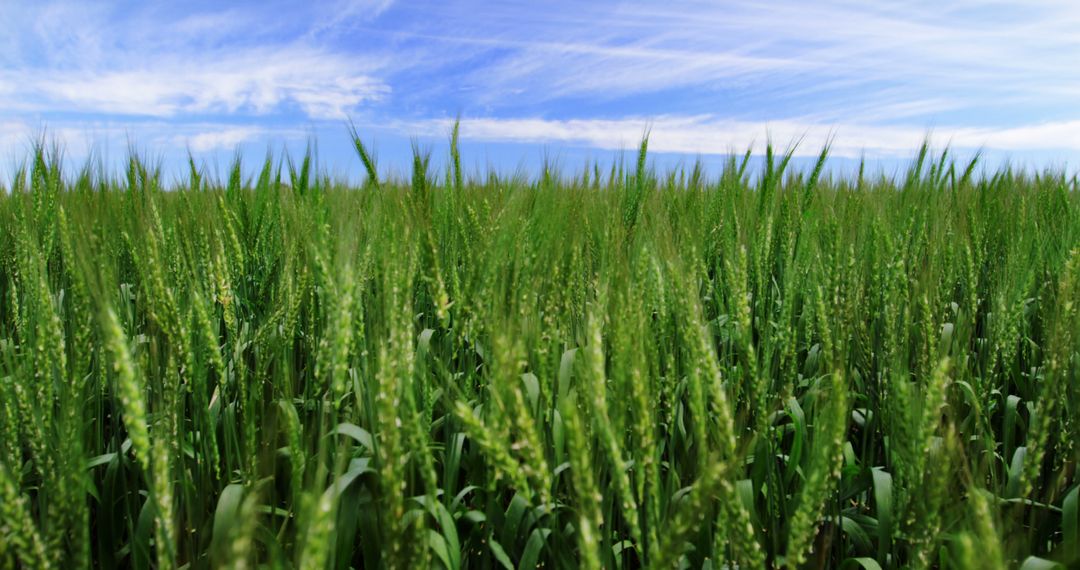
[(569, 80)]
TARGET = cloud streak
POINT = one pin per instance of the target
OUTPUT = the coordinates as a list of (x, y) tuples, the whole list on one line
[(89, 61), (789, 57), (705, 134), (258, 82)]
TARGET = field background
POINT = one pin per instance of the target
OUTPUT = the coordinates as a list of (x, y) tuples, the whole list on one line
[(615, 367)]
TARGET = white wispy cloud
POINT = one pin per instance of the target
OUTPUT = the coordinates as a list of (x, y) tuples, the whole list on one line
[(12, 134), (341, 12), (77, 58), (256, 81), (224, 138), (824, 56), (707, 134), (572, 68)]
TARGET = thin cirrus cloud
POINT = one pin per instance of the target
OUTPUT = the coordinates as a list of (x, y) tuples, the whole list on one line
[(258, 82), (711, 134), (770, 59), (874, 79), (101, 62), (90, 60), (96, 77), (704, 77), (222, 138)]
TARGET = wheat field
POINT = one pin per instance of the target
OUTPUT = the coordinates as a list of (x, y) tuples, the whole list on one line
[(609, 368)]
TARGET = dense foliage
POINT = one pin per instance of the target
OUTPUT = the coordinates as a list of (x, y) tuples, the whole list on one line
[(615, 369)]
